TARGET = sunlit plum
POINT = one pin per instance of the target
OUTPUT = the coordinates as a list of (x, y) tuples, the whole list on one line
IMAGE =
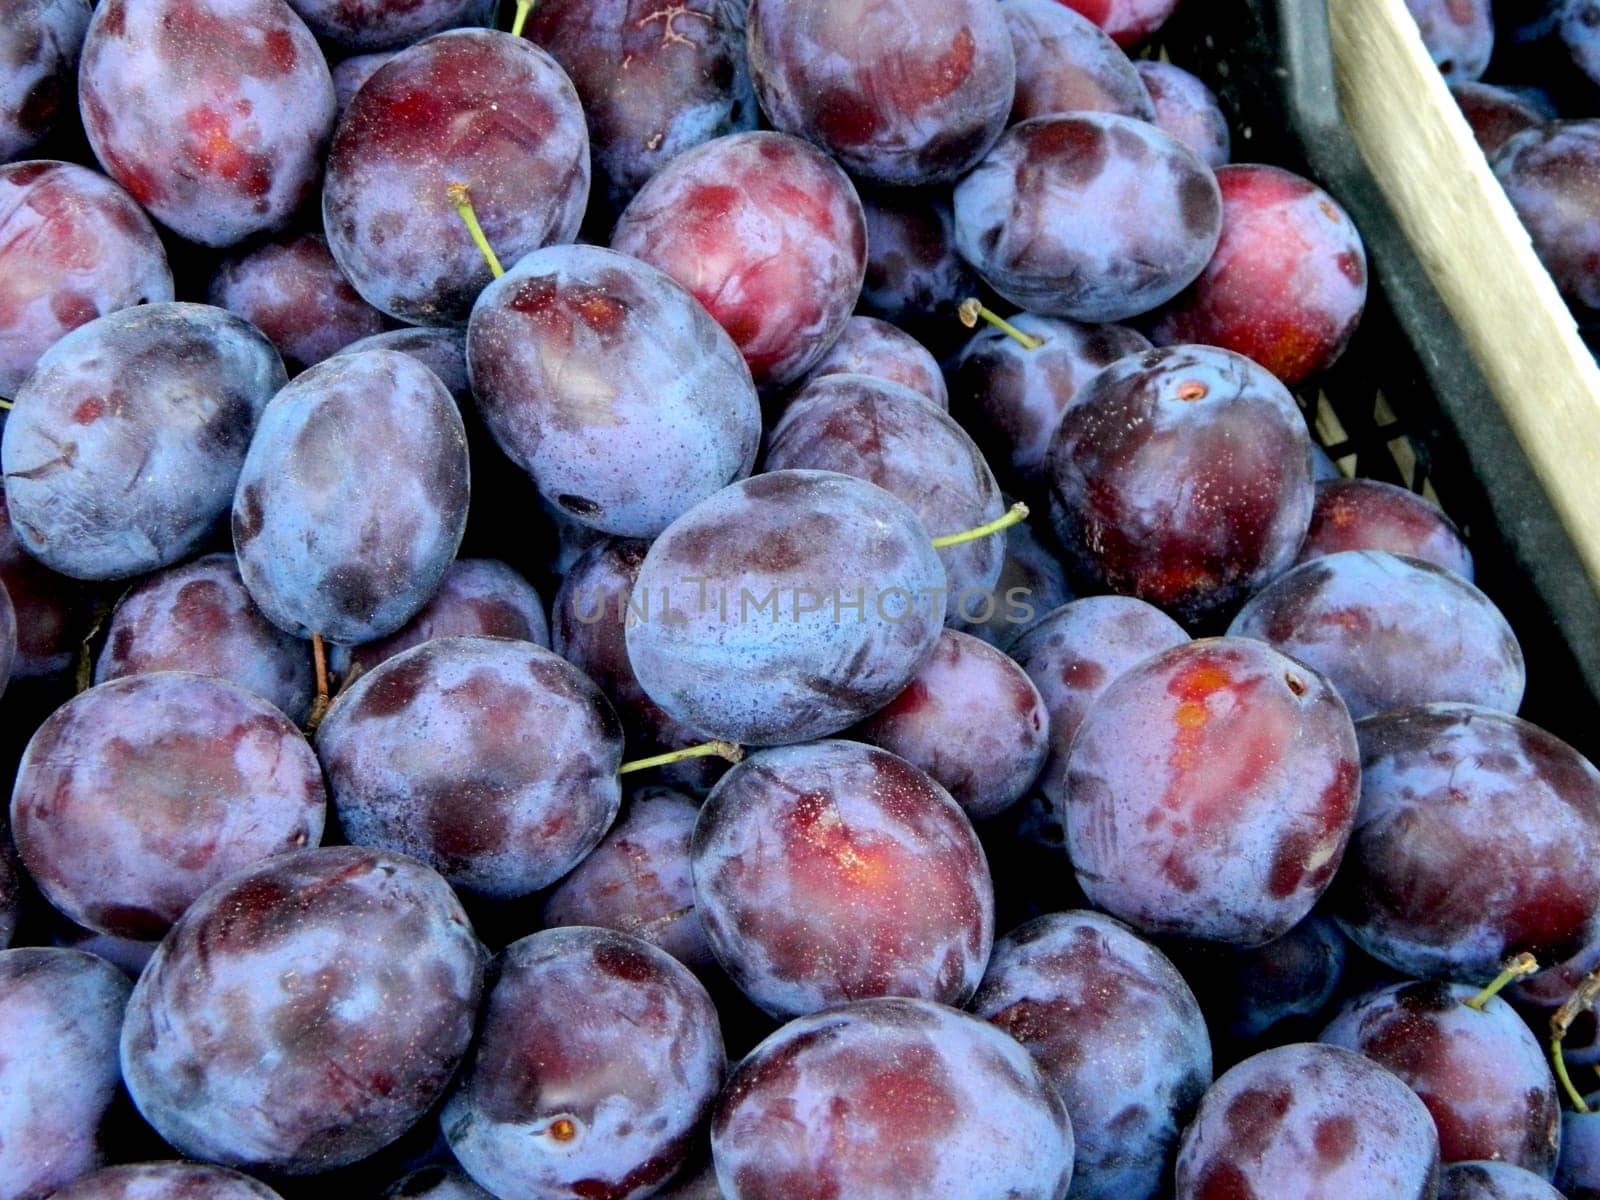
[(1127, 21), (1493, 1181), (353, 498), (1210, 792), (612, 387), (39, 42), (872, 347), (213, 114), (53, 613), (1459, 35), (277, 1027), (836, 871), (126, 441), (1188, 110), (901, 92), (475, 107), (1478, 838), (1047, 221), (888, 1099), (389, 24), (1182, 477), (767, 233), (1287, 284), (1368, 514), (165, 1181), (1066, 63), (1551, 174), (786, 607), (1494, 113), (914, 279), (73, 247), (599, 1058), (1032, 584)]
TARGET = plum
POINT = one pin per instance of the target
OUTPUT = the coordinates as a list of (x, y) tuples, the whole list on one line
[(125, 443), (441, 349), (1210, 792), (73, 247), (1551, 174), (1272, 990), (1368, 514), (353, 497), (1128, 22), (1578, 1175), (40, 41), (389, 24), (53, 613), (1493, 1181), (474, 107), (213, 114), (1494, 113), (435, 1182), (600, 1056), (166, 1181), (914, 277), (1032, 584), (889, 1099), (1459, 35), (277, 1027), (1578, 23), (1188, 110), (1092, 216), (1119, 1034), (351, 73), (767, 233), (1067, 63), (872, 347)]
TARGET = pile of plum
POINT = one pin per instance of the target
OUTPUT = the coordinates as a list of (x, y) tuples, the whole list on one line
[(532, 676)]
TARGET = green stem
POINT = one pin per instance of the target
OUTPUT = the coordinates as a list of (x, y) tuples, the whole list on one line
[(725, 750), (524, 7), (462, 200), (972, 311), (1018, 512), (1522, 964), (1560, 1061)]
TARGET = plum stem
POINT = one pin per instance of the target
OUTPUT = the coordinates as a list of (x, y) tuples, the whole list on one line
[(319, 706), (1582, 1000), (1516, 968), (461, 198), (1017, 513), (972, 311), (725, 750), (524, 7), (84, 676), (6, 405)]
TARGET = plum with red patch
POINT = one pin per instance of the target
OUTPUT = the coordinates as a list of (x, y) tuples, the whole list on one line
[(136, 796), (61, 1011), (1459, 35), (767, 233), (1478, 838), (388, 24), (1368, 514), (40, 41), (53, 613), (1495, 113), (836, 871), (1129, 22), (914, 278), (885, 1099), (1493, 1181), (599, 1058), (277, 1028), (872, 347), (475, 107), (166, 1181), (1310, 1121), (1188, 110), (1067, 63), (1092, 216), (1287, 284), (212, 114), (972, 719), (1551, 174), (902, 92), (126, 441), (1210, 792), (73, 247), (1119, 1034)]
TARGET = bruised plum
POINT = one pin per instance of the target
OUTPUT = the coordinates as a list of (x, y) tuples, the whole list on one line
[(872, 347), (836, 871), (888, 1099), (389, 24), (1368, 514), (137, 795), (1188, 110), (40, 41), (166, 1181), (277, 1026), (1067, 63)]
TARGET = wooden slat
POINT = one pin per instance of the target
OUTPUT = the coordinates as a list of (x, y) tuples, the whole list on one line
[(1468, 237)]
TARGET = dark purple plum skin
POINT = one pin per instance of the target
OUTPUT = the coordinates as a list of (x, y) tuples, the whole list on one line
[(1493, 1181), (1578, 1175), (61, 1011), (10, 891), (1478, 838), (902, 92), (656, 78), (214, 120), (166, 1181), (1210, 793), (199, 618), (1579, 28), (492, 760), (1459, 35), (389, 24), (605, 1106), (1482, 1074), (612, 387), (836, 871), (353, 497), (1368, 514), (889, 435), (277, 1028), (1311, 1121), (53, 613), (972, 719), (1044, 217), (479, 597), (872, 347), (8, 638), (1188, 110), (435, 1183), (350, 73), (1551, 174), (1067, 63), (1182, 477), (40, 43), (1389, 632), (73, 246), (136, 796), (902, 1098), (294, 292), (1032, 584), (1011, 398), (638, 880), (438, 113), (1079, 650), (731, 663), (1494, 113), (1066, 986), (767, 233), (126, 441), (914, 279)]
